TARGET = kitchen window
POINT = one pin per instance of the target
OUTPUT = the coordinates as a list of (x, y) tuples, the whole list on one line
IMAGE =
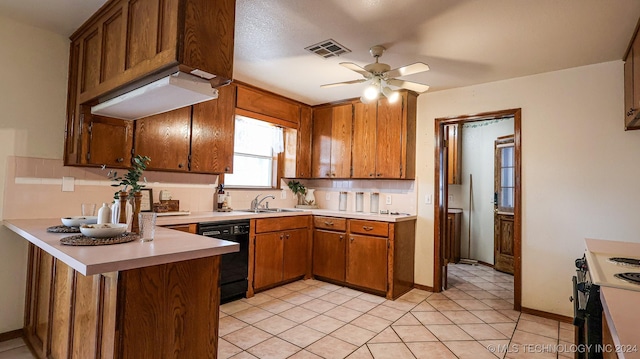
[(255, 158)]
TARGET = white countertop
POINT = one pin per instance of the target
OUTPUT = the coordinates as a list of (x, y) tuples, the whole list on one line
[(620, 306), (167, 247), (197, 217)]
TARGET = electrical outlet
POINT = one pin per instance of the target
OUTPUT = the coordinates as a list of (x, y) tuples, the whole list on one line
[(283, 194), (388, 201), (327, 196), (428, 199), (450, 198), (68, 184)]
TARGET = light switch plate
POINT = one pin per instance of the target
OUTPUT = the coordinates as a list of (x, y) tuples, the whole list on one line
[(68, 184), (388, 201), (327, 196), (427, 199)]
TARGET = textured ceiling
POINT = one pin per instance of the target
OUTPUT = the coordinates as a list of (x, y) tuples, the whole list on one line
[(464, 42)]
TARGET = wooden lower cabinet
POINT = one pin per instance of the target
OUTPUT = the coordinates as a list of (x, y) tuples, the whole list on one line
[(367, 262), (279, 251), (368, 255), (162, 311), (189, 228), (329, 254), (451, 247)]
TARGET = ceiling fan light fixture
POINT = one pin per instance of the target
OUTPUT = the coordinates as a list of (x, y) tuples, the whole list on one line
[(371, 92), (391, 95)]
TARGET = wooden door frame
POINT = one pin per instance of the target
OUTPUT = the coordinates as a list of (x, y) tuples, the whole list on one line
[(440, 199)]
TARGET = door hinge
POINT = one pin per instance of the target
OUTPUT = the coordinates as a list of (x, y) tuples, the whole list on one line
[(388, 244), (88, 156), (89, 128), (445, 143)]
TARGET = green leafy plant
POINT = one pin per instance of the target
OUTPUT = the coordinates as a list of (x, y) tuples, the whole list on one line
[(131, 180), (297, 188)]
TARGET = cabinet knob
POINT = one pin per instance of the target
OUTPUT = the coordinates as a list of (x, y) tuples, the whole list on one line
[(370, 174), (367, 228), (328, 173), (379, 174), (180, 165), (328, 223), (288, 235), (333, 174), (341, 238), (227, 169), (351, 239), (120, 160), (281, 236)]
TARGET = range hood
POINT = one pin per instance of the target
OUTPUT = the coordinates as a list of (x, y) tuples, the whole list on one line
[(177, 90)]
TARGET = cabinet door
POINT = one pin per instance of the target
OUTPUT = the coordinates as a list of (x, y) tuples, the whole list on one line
[(212, 137), (38, 298), (341, 129), (321, 142), (329, 254), (454, 149), (364, 140), (110, 142), (389, 137), (629, 112), (296, 246), (303, 155), (367, 262), (165, 139), (268, 259)]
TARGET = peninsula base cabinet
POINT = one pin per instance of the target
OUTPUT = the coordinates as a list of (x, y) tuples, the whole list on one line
[(162, 311), (373, 256)]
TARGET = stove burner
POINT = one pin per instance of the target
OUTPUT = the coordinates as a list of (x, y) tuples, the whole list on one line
[(625, 261), (630, 277)]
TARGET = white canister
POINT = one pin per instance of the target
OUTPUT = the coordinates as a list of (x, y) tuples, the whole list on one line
[(374, 202), (359, 201), (342, 204), (104, 214)]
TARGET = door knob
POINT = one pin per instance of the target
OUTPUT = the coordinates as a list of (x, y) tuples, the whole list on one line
[(180, 165), (120, 160)]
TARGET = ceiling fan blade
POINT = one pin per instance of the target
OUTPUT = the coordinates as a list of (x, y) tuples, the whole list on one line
[(353, 67), (408, 70), (343, 83), (413, 86)]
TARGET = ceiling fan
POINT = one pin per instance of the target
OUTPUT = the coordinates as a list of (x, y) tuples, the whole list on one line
[(381, 77)]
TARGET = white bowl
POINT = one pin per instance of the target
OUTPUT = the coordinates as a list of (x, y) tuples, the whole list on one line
[(79, 220), (103, 230)]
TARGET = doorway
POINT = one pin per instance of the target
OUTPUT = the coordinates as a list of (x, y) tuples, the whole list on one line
[(441, 199)]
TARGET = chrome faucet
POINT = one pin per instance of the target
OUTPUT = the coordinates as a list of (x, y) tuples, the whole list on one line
[(255, 204)]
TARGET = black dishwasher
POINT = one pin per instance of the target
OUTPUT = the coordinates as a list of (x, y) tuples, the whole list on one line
[(234, 267)]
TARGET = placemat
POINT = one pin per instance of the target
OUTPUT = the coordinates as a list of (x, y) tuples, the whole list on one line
[(81, 240), (63, 229)]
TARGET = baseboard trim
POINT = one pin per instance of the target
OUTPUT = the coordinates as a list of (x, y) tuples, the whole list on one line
[(11, 335), (423, 287), (485, 264), (540, 313)]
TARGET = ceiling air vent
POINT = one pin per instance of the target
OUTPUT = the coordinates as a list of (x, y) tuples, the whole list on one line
[(328, 48)]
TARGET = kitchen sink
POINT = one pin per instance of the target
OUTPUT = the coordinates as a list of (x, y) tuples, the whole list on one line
[(270, 210)]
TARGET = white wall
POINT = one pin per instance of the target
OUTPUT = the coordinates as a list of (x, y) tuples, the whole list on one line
[(580, 170), (33, 69), (478, 156)]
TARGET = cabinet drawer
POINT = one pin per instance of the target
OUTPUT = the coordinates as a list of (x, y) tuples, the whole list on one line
[(281, 223), (371, 228), (330, 223)]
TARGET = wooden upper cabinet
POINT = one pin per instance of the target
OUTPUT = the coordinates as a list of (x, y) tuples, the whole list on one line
[(165, 139), (303, 151), (212, 133), (384, 138), (365, 118), (267, 106), (632, 85), (331, 141), (453, 133), (110, 141), (126, 41)]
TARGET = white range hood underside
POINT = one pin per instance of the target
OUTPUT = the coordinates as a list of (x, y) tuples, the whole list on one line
[(169, 93)]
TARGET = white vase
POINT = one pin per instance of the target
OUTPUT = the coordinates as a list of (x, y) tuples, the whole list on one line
[(310, 198), (115, 213)]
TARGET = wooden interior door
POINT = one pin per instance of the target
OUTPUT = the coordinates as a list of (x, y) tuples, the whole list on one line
[(504, 203)]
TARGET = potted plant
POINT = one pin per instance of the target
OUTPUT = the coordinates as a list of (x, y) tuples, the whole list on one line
[(298, 189), (130, 187)]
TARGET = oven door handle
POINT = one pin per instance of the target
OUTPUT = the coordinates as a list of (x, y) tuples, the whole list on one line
[(578, 315)]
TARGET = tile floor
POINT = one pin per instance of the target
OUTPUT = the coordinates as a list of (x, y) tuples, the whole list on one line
[(313, 319)]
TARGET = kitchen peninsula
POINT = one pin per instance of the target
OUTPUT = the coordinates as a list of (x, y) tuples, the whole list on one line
[(154, 299)]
